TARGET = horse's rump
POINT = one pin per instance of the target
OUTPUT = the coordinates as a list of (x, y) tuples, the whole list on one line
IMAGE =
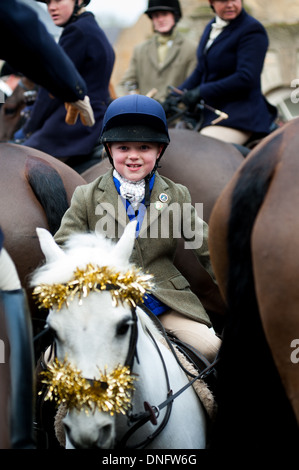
[(33, 187), (253, 406)]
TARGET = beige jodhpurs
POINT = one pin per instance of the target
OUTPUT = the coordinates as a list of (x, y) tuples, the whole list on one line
[(198, 335), (227, 134)]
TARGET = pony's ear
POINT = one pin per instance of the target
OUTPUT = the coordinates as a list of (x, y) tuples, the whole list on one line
[(48, 245), (124, 247)]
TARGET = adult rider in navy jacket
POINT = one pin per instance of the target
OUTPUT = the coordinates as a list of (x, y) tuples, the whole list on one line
[(28, 47), (88, 47), (230, 56)]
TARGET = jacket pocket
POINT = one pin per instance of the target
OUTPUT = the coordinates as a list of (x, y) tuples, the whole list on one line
[(179, 282)]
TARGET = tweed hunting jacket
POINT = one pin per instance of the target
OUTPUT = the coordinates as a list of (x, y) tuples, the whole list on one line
[(146, 73), (98, 206)]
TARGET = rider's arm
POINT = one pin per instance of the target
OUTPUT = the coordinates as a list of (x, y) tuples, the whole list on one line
[(30, 49), (195, 230), (129, 81)]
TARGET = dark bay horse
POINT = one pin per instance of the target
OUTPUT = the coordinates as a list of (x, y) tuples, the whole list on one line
[(255, 255), (205, 166), (35, 191)]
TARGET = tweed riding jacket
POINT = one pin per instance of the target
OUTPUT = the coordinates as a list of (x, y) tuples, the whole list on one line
[(98, 206)]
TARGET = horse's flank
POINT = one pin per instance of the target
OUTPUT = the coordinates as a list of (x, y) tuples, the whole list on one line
[(253, 251)]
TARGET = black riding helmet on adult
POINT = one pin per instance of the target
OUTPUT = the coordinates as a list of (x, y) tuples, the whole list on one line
[(164, 5), (68, 14), (164, 14)]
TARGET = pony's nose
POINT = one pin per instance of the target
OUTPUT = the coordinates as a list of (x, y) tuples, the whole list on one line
[(102, 438)]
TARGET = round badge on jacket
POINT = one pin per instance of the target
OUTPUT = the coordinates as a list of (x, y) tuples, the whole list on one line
[(163, 197)]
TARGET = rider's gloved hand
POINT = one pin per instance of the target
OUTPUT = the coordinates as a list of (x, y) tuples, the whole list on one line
[(82, 108), (191, 98), (170, 102)]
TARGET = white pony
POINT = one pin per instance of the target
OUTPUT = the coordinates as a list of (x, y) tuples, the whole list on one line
[(112, 369)]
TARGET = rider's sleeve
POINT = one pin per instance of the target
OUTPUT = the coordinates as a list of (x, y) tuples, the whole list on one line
[(195, 230), (75, 219), (30, 49), (129, 81)]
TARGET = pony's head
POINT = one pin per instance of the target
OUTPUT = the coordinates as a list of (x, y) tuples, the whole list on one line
[(91, 290)]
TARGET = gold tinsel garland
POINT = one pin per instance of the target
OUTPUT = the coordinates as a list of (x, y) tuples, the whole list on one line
[(129, 287), (111, 393)]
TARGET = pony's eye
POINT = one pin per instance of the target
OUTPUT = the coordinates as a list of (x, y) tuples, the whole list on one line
[(123, 327)]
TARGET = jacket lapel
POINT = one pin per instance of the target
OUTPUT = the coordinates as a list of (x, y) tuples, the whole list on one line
[(111, 202), (153, 212), (227, 31), (172, 52), (152, 55)]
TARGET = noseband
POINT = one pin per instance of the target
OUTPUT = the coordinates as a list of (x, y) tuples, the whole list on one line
[(152, 412)]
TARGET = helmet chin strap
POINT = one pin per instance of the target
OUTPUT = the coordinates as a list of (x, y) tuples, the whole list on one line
[(74, 15), (147, 177)]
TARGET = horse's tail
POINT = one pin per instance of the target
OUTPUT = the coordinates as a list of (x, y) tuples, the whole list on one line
[(247, 198), (48, 187), (249, 387)]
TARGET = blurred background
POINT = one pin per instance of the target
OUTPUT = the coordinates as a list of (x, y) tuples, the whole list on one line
[(126, 25)]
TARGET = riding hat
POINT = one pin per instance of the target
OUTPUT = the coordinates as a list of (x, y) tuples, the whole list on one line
[(164, 5), (135, 118), (76, 9)]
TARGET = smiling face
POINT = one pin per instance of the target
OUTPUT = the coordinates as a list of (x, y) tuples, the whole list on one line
[(227, 10), (135, 160)]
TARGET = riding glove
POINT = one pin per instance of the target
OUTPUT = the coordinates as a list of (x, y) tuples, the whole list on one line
[(191, 97), (170, 102), (82, 108)]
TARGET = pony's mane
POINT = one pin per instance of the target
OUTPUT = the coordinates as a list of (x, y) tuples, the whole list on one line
[(80, 250)]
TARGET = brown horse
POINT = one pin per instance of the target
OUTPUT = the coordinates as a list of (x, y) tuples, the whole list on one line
[(255, 255), (205, 166), (35, 191)]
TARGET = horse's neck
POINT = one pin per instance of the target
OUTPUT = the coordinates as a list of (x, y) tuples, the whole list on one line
[(156, 362), (152, 386)]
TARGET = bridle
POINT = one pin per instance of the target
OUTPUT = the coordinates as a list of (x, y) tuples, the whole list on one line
[(151, 412)]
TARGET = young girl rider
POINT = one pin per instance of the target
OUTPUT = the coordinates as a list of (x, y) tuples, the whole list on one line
[(135, 135)]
